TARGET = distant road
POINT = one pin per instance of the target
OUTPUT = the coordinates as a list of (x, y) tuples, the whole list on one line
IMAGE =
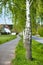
[(38, 39)]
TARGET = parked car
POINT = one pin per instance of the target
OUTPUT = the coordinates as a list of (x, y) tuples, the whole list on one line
[(5, 31)]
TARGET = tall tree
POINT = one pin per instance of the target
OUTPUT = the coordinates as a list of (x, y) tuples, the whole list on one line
[(27, 33)]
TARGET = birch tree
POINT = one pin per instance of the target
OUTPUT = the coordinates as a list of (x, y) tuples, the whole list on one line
[(27, 33)]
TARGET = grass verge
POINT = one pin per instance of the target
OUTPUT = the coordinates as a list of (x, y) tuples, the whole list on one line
[(6, 38), (37, 54)]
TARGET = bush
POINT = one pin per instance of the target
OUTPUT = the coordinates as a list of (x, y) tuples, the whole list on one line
[(40, 31)]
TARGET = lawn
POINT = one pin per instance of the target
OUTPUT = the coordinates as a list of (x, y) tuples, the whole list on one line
[(6, 38), (37, 54)]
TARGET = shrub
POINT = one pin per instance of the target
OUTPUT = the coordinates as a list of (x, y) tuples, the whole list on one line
[(40, 31)]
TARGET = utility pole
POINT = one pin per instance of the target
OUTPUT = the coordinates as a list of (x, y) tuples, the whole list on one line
[(27, 34)]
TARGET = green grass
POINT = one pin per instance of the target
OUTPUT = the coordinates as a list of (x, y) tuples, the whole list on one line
[(6, 38), (37, 54)]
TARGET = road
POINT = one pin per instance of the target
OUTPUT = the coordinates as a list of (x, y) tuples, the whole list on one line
[(7, 51), (38, 39)]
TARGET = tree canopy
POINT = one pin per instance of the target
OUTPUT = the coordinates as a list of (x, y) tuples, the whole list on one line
[(18, 12)]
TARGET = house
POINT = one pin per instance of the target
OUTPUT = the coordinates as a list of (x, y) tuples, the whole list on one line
[(7, 23), (5, 27)]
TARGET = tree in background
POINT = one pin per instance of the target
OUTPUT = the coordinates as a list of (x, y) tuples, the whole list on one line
[(17, 8), (39, 15), (33, 17)]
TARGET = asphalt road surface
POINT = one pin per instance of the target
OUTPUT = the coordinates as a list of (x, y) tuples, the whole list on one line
[(7, 51), (38, 39)]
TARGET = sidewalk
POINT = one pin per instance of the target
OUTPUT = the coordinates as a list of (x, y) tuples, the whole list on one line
[(7, 51)]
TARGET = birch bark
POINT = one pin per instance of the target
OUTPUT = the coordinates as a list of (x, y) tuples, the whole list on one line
[(27, 33)]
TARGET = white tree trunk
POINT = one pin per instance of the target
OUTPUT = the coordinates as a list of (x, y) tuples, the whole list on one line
[(27, 33)]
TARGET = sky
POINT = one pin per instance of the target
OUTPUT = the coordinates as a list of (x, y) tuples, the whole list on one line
[(5, 19)]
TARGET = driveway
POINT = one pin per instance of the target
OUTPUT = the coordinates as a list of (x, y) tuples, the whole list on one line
[(7, 51), (38, 39)]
